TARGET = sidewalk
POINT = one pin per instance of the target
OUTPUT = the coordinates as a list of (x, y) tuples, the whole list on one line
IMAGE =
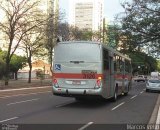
[(155, 117), (22, 87), (16, 84)]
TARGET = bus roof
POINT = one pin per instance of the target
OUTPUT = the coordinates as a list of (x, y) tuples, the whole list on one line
[(102, 44)]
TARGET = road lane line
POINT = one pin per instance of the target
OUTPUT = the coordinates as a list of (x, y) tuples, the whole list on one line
[(85, 126), (144, 89), (24, 94), (23, 101), (66, 103), (158, 117), (142, 92), (118, 106), (8, 119), (133, 96)]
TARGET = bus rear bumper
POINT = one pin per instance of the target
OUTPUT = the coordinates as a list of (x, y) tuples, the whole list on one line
[(74, 92)]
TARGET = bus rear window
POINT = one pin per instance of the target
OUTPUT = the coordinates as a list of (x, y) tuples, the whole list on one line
[(77, 52)]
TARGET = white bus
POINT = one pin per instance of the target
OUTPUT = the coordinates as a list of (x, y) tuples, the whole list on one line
[(82, 69)]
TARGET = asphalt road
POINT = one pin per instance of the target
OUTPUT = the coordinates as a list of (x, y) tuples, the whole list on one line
[(69, 114)]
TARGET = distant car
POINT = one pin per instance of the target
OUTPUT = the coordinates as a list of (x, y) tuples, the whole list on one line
[(140, 78), (153, 84)]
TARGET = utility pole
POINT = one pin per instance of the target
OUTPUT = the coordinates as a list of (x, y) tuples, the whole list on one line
[(104, 28), (52, 27), (53, 15)]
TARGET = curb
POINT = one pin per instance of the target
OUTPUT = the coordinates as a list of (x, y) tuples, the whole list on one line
[(9, 90), (24, 91), (156, 113)]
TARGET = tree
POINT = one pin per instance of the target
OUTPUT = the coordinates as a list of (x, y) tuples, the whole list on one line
[(18, 16), (140, 24), (33, 45), (64, 31), (2, 67), (142, 63), (17, 62), (51, 30), (113, 37), (2, 64), (69, 33)]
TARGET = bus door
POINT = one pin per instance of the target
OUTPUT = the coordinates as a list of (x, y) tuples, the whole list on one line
[(111, 65), (108, 72)]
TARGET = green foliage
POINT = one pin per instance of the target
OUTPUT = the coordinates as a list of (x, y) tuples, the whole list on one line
[(140, 25), (17, 62), (2, 64), (81, 34), (2, 67), (74, 33), (142, 60), (113, 36)]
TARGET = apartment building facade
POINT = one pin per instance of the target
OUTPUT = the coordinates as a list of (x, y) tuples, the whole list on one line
[(86, 14)]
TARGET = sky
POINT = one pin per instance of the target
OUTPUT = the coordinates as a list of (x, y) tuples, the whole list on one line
[(111, 8)]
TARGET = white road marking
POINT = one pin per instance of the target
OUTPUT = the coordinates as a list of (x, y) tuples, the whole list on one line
[(158, 117), (24, 94), (8, 119), (133, 96), (142, 92), (66, 103), (144, 89), (118, 106), (23, 101), (85, 126)]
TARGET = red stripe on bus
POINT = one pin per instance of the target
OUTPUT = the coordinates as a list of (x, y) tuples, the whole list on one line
[(74, 76)]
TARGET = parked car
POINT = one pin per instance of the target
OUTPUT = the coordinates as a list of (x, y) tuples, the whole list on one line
[(140, 78), (153, 84)]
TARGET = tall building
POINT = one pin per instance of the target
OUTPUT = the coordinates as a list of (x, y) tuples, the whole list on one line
[(86, 14)]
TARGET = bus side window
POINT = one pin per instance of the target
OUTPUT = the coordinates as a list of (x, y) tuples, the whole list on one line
[(117, 64), (106, 60), (121, 65), (127, 66)]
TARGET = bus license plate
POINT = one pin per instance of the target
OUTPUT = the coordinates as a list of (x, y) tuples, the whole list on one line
[(76, 82)]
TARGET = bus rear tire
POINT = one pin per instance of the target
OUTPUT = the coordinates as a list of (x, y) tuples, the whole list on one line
[(114, 98), (126, 93)]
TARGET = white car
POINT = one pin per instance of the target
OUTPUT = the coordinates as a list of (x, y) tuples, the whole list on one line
[(140, 78), (153, 84)]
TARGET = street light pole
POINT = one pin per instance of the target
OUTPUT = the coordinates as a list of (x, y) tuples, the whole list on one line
[(103, 28)]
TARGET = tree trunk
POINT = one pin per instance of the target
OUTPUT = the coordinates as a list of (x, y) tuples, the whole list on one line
[(8, 58), (6, 76), (16, 78), (30, 74), (30, 68)]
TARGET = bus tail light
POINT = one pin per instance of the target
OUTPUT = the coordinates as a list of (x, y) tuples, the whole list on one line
[(55, 83), (99, 82)]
